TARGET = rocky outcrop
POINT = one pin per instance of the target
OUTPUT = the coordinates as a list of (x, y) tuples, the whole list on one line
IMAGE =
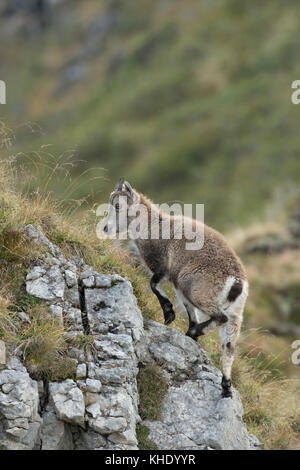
[(20, 421), (274, 243), (98, 409), (193, 414)]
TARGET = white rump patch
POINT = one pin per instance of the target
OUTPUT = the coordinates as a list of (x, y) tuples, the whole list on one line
[(222, 299), (236, 307)]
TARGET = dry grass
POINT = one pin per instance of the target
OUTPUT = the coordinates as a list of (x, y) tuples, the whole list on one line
[(7, 323), (44, 347)]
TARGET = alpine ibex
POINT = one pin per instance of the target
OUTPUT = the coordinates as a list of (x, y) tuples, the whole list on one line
[(210, 280)]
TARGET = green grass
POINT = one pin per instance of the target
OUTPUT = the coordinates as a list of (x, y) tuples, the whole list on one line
[(152, 387), (84, 342), (144, 443), (185, 98), (25, 301)]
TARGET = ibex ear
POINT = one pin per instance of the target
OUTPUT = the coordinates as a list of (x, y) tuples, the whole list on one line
[(128, 189), (119, 184)]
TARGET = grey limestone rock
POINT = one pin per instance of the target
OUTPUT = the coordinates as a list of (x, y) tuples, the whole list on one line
[(68, 401), (193, 414), (19, 401)]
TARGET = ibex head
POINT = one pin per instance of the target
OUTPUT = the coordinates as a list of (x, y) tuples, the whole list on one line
[(122, 197)]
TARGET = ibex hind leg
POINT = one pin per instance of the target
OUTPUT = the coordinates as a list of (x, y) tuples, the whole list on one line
[(201, 302), (229, 335), (205, 327), (193, 314)]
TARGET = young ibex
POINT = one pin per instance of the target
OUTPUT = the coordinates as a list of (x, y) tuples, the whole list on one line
[(210, 280)]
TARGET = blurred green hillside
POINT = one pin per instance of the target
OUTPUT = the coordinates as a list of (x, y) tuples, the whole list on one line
[(191, 101)]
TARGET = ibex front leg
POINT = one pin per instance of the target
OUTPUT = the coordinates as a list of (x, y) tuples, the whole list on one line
[(166, 305)]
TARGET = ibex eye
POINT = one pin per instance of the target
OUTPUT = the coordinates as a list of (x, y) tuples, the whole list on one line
[(117, 206)]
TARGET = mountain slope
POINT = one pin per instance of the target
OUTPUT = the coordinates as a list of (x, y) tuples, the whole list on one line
[(189, 100), (270, 399)]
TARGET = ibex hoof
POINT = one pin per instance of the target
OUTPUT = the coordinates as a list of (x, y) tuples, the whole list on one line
[(227, 394), (226, 386), (192, 333), (169, 314)]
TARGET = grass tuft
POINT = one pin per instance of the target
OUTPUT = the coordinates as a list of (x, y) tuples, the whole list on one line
[(152, 388)]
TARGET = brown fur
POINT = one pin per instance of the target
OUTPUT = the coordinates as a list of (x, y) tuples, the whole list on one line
[(199, 274), (211, 279)]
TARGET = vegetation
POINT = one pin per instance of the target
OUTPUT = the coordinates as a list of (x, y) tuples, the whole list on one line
[(43, 341), (152, 387), (270, 399), (144, 443), (188, 100)]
